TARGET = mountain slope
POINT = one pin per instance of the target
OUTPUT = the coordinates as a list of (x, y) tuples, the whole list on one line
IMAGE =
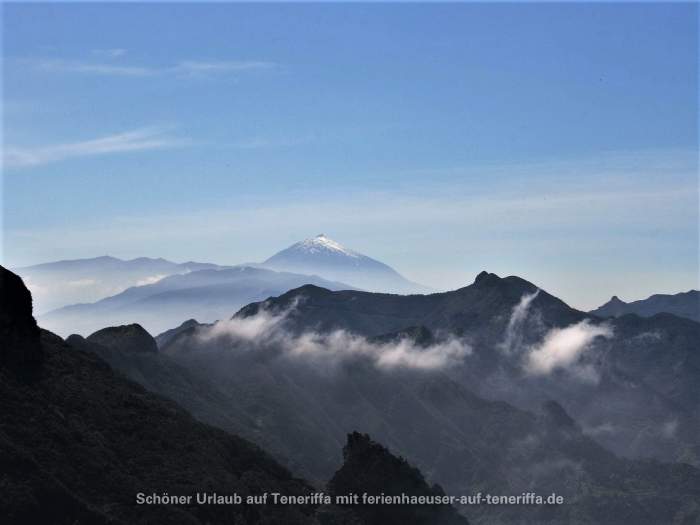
[(61, 283), (207, 295), (77, 442), (323, 256), (635, 389), (685, 304), (370, 468), (308, 401)]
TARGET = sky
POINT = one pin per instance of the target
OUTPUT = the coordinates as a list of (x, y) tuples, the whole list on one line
[(557, 142)]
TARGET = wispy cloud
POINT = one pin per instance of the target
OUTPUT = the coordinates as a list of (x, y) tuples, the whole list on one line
[(203, 67), (92, 68), (561, 348), (109, 53), (136, 140), (268, 330), (182, 68), (514, 331)]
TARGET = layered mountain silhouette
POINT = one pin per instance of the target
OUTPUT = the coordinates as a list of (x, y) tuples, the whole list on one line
[(637, 391), (78, 441), (60, 283), (207, 295), (686, 304), (300, 400), (323, 256), (370, 468)]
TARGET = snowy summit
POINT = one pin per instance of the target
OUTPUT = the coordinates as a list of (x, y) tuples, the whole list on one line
[(329, 259), (322, 243)]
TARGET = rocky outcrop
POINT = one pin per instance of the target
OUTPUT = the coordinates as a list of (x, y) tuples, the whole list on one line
[(18, 330), (126, 338)]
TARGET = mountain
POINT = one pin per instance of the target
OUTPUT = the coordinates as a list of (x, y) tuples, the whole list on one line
[(685, 304), (467, 444), (633, 383), (370, 468), (323, 256), (305, 382), (78, 442), (61, 283), (207, 295)]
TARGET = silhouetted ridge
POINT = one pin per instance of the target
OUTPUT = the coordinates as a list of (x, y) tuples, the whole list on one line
[(370, 468), (684, 304), (18, 329), (485, 278), (79, 442), (164, 338), (127, 338)]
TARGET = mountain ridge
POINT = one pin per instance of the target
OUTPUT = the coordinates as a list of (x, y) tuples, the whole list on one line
[(683, 304)]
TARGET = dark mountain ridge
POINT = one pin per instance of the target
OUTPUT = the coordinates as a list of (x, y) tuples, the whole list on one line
[(94, 440), (78, 442), (684, 304)]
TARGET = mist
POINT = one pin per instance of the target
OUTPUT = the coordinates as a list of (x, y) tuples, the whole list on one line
[(268, 330)]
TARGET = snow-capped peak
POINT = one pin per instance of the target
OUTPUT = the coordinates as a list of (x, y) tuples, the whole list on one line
[(322, 243)]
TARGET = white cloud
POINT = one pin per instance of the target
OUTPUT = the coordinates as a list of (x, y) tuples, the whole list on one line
[(185, 67), (268, 330), (200, 67), (109, 53), (136, 140), (668, 429), (152, 279), (562, 347), (513, 337), (73, 66)]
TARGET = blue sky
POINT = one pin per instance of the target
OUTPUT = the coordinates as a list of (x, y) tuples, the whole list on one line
[(553, 141)]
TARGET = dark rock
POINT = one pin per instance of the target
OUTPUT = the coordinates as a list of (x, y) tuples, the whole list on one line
[(370, 468), (126, 338), (19, 333)]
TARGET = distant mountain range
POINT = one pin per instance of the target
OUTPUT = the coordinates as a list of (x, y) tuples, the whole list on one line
[(323, 256), (80, 281), (61, 283), (686, 304), (207, 295), (83, 295)]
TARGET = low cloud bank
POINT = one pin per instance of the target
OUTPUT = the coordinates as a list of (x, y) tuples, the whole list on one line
[(562, 348), (268, 330), (558, 348)]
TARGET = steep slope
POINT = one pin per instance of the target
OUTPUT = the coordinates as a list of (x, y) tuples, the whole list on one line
[(77, 442), (370, 468), (482, 308), (308, 399), (60, 283), (685, 304), (636, 407), (207, 295), (323, 256)]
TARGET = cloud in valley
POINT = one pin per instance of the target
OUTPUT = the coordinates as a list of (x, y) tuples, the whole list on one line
[(561, 348), (268, 330), (514, 331)]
